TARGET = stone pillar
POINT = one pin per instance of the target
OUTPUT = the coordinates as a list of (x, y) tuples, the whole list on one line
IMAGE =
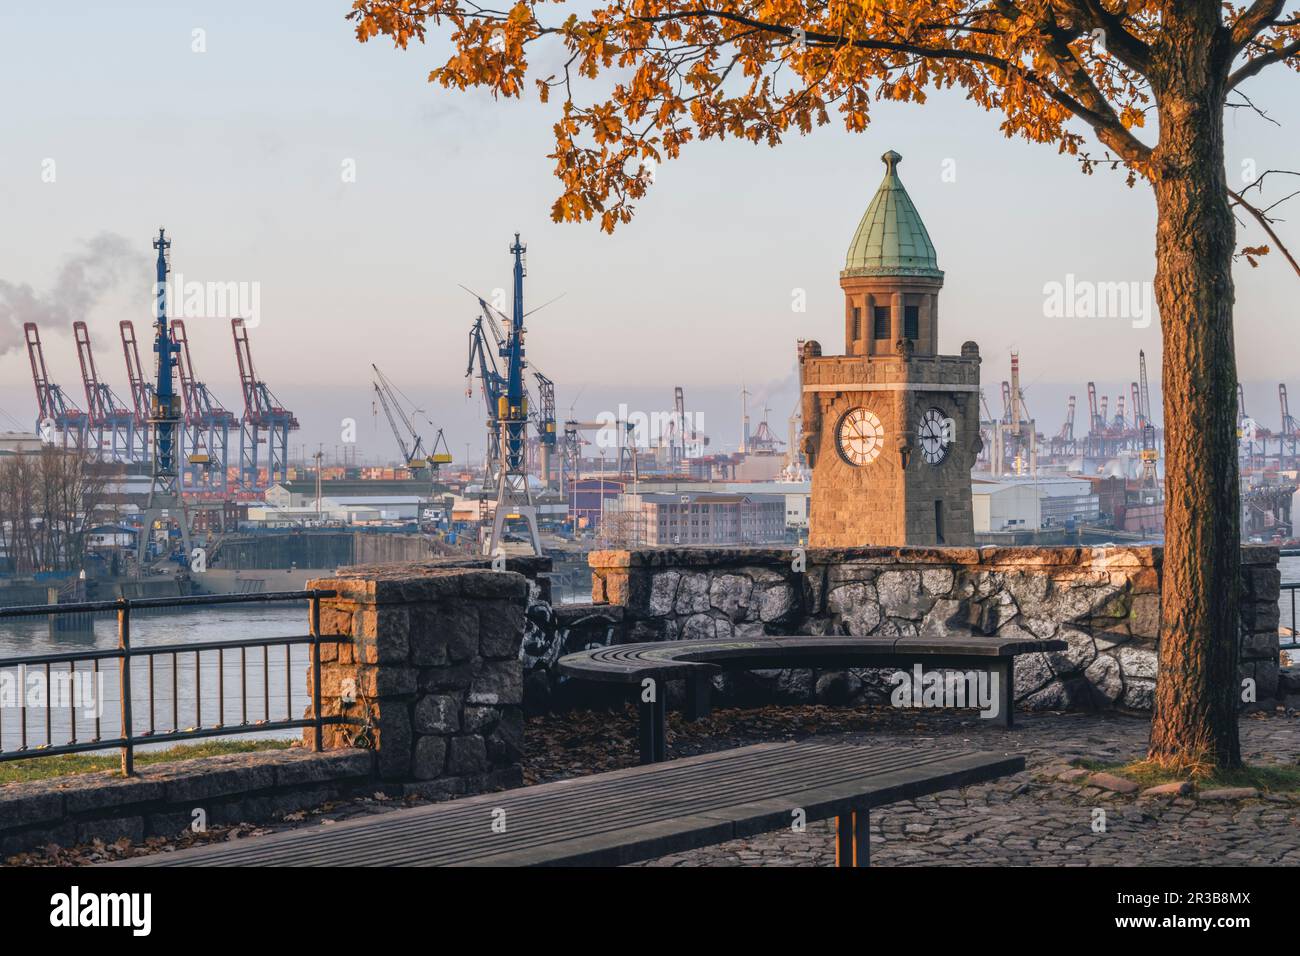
[(1260, 589), (436, 669)]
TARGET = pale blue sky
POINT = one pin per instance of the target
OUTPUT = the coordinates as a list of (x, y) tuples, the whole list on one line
[(238, 152)]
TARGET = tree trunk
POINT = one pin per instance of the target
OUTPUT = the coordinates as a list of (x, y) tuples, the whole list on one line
[(1195, 720)]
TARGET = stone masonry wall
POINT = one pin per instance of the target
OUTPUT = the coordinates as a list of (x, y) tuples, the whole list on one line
[(1104, 602), (435, 662)]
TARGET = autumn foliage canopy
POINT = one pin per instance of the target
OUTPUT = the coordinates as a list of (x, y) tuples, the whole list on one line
[(640, 80)]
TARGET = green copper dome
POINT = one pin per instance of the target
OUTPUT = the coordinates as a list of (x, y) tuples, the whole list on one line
[(891, 239)]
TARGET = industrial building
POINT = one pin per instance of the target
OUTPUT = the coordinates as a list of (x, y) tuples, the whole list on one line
[(297, 494), (664, 519), (797, 495), (1033, 504)]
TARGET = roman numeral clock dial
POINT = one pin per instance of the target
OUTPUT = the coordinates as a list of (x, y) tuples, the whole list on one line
[(935, 433), (859, 437)]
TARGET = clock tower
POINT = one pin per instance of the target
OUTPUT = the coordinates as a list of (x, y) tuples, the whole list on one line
[(891, 427)]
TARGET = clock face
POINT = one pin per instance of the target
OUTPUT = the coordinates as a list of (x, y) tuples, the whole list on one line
[(859, 437), (935, 434)]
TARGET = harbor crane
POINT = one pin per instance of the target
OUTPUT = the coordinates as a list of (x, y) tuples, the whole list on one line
[(265, 422), (491, 381), (141, 387), (1066, 434), (55, 411), (165, 503), (487, 341), (109, 420), (506, 395), (411, 443), (205, 438)]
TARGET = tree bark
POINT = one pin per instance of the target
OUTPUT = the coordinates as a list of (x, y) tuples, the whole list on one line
[(1194, 724)]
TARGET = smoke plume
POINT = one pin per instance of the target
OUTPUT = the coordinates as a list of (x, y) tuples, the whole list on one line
[(83, 280)]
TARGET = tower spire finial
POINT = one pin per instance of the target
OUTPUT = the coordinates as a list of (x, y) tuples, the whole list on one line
[(891, 160)]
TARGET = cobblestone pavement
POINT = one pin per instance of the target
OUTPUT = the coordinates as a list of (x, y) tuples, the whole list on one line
[(1033, 819)]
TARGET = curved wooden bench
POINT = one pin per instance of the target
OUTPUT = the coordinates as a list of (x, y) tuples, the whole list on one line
[(697, 661)]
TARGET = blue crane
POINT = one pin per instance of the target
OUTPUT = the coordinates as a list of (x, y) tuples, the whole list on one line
[(166, 412)]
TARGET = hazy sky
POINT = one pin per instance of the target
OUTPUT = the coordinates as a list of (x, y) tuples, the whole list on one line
[(240, 152)]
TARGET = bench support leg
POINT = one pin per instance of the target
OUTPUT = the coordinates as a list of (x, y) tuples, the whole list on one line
[(698, 692), (853, 839), (1006, 671), (652, 727)]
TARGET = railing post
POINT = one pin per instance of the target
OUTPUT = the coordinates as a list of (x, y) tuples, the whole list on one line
[(315, 672), (124, 681)]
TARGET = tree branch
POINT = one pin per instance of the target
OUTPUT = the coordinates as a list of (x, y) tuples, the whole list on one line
[(1121, 44), (1251, 67), (1084, 99), (1267, 225), (1252, 21)]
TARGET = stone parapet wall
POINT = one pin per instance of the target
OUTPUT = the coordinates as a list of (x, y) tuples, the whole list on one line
[(435, 663), (1103, 602), (163, 800)]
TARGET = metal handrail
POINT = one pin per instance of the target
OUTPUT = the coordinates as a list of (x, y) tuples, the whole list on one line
[(127, 740), (1293, 642)]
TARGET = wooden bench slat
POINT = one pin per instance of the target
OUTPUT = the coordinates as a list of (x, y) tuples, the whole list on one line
[(629, 663), (621, 816)]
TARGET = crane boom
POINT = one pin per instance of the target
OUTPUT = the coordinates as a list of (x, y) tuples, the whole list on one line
[(141, 388), (1146, 394)]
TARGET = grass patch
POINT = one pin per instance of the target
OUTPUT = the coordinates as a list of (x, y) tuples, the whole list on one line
[(63, 765), (1267, 778)]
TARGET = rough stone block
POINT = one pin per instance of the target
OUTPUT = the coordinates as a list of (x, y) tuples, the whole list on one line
[(111, 829), (730, 594), (505, 742), (437, 714), (393, 742), (1106, 678), (429, 758), (20, 806), (383, 635), (1138, 662), (459, 627), (1144, 616), (692, 594), (1139, 694), (497, 682), (449, 677), (467, 756), (1179, 788), (429, 634), (500, 629), (1108, 781), (381, 680), (98, 792), (336, 618), (1263, 582)]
